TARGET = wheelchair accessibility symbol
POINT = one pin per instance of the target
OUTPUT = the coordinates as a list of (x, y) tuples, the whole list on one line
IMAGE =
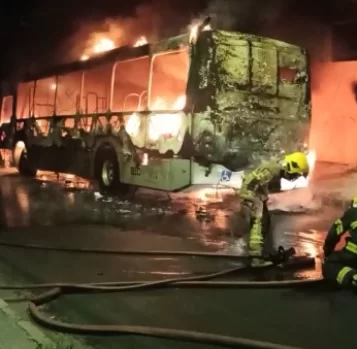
[(226, 176)]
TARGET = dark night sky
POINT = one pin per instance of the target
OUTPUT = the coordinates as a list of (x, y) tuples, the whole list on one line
[(32, 31)]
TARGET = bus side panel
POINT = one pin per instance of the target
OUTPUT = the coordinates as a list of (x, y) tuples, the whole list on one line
[(161, 174)]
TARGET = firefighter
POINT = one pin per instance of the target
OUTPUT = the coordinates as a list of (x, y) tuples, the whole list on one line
[(340, 267), (254, 194)]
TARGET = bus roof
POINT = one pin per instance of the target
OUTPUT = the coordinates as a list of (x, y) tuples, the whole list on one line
[(128, 52), (122, 53)]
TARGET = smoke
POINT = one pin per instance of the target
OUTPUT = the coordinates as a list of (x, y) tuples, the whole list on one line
[(286, 20), (243, 14), (160, 19), (154, 21)]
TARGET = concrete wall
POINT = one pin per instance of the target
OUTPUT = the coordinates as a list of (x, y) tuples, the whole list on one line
[(333, 132)]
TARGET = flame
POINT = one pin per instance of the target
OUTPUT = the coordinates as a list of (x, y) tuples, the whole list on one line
[(164, 125), (167, 124), (103, 45), (141, 41), (161, 104), (132, 125), (194, 31)]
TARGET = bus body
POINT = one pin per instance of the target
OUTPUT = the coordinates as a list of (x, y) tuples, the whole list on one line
[(165, 116)]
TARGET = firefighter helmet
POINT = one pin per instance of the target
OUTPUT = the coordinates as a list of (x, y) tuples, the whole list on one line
[(296, 164)]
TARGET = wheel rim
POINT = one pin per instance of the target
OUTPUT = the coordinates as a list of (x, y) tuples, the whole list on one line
[(108, 173)]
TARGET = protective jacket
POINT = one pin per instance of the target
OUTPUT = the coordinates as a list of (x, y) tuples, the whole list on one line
[(348, 222), (258, 181)]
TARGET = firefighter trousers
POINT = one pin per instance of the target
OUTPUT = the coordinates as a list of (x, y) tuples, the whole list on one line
[(257, 218), (340, 269)]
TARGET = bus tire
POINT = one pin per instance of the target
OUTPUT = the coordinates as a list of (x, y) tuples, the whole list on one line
[(22, 162), (107, 174)]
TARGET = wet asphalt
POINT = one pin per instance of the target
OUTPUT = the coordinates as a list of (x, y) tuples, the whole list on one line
[(54, 212)]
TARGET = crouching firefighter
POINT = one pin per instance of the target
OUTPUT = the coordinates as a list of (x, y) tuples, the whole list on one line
[(254, 194), (340, 267)]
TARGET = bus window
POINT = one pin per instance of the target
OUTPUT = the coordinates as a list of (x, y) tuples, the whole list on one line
[(69, 122), (130, 85), (96, 89), (45, 97), (24, 104), (68, 93), (6, 109), (169, 79), (292, 75), (287, 74)]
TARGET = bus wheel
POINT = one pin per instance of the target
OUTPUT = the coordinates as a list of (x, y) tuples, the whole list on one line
[(108, 175), (22, 162)]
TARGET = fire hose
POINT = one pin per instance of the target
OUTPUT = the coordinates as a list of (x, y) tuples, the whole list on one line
[(282, 258)]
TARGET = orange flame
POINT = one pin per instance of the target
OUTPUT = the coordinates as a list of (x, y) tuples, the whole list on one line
[(167, 125), (141, 41), (103, 45), (161, 104)]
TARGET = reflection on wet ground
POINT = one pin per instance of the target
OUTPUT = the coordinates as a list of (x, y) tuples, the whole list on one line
[(37, 203), (46, 213), (36, 209)]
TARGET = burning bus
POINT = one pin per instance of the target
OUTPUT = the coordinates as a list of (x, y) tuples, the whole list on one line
[(195, 109)]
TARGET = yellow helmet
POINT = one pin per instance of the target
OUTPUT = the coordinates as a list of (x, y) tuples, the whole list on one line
[(296, 164)]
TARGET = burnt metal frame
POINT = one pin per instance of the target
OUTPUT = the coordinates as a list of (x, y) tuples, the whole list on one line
[(111, 91), (96, 123)]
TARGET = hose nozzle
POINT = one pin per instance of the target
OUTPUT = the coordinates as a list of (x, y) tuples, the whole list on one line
[(281, 255)]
